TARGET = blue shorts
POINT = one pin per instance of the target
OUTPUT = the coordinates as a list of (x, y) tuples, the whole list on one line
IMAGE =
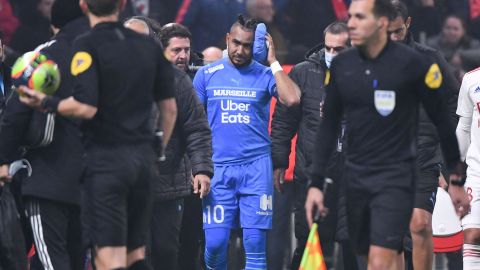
[(240, 192)]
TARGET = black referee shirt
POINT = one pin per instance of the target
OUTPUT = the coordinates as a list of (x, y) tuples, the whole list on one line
[(121, 73), (380, 99)]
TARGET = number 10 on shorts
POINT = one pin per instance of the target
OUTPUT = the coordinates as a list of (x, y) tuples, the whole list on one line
[(217, 214)]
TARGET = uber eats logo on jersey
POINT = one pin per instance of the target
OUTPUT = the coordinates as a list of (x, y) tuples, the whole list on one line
[(234, 112), (81, 62), (434, 78)]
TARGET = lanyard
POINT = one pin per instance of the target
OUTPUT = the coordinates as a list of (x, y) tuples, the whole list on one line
[(2, 87)]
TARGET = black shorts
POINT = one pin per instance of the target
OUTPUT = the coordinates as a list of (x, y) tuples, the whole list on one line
[(426, 188), (379, 204), (117, 197)]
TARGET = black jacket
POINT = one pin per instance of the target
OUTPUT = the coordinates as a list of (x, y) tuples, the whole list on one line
[(58, 167), (304, 118), (429, 152), (374, 139), (189, 151), (7, 85), (196, 62)]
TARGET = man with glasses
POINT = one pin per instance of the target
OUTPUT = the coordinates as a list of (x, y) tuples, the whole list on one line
[(304, 119)]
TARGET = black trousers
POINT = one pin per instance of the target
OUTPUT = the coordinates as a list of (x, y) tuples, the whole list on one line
[(56, 230), (165, 234), (279, 237), (191, 235), (13, 255)]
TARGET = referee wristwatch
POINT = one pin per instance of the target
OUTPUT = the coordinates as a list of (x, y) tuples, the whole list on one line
[(459, 182)]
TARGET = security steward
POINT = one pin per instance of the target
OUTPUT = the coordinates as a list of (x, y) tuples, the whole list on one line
[(377, 86), (176, 41), (304, 120), (119, 74), (51, 196)]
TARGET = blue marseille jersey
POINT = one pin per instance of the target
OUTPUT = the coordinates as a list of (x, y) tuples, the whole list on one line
[(237, 102)]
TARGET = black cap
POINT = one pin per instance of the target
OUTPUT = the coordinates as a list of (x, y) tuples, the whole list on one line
[(65, 11)]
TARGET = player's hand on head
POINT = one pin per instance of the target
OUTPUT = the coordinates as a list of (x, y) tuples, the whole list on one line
[(4, 175), (201, 185), (271, 50), (314, 204), (279, 179), (30, 97)]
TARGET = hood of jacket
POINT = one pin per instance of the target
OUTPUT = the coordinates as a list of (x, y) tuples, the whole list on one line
[(316, 55)]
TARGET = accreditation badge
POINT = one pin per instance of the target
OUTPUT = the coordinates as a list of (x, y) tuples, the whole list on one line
[(384, 101)]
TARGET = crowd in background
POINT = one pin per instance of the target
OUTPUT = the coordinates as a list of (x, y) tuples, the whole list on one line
[(451, 26)]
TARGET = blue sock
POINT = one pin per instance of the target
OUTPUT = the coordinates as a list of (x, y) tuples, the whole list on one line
[(255, 243), (216, 246)]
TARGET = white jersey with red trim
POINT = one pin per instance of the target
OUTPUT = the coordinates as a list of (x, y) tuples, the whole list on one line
[(469, 107)]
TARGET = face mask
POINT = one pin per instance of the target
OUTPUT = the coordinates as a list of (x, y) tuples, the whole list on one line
[(328, 58)]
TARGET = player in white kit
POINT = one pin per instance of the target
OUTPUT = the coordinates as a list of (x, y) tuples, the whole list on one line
[(468, 134)]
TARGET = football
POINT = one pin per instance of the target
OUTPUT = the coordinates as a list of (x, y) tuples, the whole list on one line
[(36, 71)]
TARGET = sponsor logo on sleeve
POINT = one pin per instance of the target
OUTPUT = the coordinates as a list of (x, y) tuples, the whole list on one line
[(214, 68), (434, 78), (477, 90), (80, 63)]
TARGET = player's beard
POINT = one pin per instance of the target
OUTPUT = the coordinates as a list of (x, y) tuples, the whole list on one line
[(182, 64), (234, 58)]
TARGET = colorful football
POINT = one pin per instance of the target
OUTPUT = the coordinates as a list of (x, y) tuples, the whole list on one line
[(36, 71)]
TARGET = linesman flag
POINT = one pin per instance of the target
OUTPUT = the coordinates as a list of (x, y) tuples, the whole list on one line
[(313, 256)]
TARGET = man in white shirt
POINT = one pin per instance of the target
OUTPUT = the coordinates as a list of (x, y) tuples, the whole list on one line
[(468, 134)]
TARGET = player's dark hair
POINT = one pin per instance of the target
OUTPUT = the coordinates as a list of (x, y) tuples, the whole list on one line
[(103, 7), (248, 25), (171, 30), (384, 8), (400, 9), (335, 28)]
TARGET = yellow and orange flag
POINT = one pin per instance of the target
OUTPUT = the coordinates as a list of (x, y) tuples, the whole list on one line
[(312, 256)]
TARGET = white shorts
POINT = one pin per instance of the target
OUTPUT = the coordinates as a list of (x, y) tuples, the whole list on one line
[(472, 219)]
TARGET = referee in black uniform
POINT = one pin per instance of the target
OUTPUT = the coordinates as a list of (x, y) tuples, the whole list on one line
[(377, 86), (119, 73)]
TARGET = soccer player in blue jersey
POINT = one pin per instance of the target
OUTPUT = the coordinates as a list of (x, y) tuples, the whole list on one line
[(236, 93)]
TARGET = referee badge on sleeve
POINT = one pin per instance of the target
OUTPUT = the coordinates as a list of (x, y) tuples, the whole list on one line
[(81, 62), (434, 78), (384, 101)]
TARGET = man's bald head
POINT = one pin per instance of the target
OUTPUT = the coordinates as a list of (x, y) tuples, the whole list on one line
[(138, 26), (212, 54)]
